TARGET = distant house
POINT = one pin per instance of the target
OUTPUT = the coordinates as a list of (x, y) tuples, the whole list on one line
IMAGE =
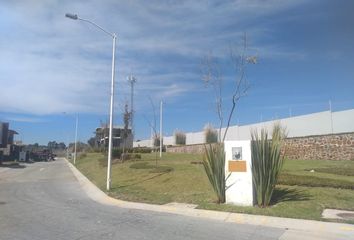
[(119, 141), (8, 150)]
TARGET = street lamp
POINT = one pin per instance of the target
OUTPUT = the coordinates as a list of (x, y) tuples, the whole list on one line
[(161, 135), (75, 146), (113, 35)]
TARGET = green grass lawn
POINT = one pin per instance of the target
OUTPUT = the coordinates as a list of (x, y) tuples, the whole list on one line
[(176, 179)]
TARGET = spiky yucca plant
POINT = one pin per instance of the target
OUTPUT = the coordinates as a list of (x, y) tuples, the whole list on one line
[(214, 165), (267, 162), (180, 138), (211, 135)]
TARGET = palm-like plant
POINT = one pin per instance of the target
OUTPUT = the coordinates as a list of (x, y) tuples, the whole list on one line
[(267, 162), (214, 165)]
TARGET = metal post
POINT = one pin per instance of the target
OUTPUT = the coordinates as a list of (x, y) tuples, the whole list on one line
[(77, 122), (161, 135), (132, 108), (67, 143), (330, 112), (111, 118), (113, 35)]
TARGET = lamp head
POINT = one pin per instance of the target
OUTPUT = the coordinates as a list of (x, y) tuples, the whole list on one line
[(72, 16)]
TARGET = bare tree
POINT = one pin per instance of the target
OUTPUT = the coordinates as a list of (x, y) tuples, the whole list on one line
[(156, 139), (212, 76), (214, 160)]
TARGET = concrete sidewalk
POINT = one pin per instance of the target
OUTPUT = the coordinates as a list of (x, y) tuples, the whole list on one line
[(295, 228)]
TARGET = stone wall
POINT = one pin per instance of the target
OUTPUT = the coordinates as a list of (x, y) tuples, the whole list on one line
[(326, 147), (195, 148), (323, 147)]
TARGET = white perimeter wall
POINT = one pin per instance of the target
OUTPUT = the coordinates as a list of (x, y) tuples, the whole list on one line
[(306, 125)]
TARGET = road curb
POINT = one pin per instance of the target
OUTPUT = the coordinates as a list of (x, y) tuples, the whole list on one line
[(295, 228)]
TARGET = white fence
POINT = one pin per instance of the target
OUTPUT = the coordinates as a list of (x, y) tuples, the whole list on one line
[(320, 123)]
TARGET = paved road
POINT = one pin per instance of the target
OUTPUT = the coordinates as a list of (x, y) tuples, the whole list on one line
[(45, 201)]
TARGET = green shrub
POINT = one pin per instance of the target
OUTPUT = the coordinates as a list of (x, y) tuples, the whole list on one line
[(312, 181), (117, 152), (130, 156), (102, 161), (145, 165), (345, 171), (141, 150), (82, 155), (211, 135), (180, 138), (267, 163), (141, 165), (214, 166)]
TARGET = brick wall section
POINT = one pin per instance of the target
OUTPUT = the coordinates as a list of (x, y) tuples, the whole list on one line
[(323, 147)]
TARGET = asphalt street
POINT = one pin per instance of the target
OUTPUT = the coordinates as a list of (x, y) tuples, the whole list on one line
[(45, 201)]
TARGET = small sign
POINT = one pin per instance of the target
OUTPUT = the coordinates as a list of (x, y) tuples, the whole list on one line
[(237, 166), (236, 153)]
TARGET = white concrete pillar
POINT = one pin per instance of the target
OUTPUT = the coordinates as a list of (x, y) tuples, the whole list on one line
[(238, 163)]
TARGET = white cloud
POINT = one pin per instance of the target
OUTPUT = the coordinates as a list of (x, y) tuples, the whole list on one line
[(50, 64)]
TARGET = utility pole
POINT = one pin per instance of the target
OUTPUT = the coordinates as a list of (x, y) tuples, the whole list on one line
[(330, 112), (67, 143), (132, 80), (161, 135), (76, 125)]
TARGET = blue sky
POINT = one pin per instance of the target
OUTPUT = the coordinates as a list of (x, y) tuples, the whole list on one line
[(50, 64)]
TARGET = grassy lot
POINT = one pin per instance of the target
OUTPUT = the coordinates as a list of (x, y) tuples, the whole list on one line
[(176, 179)]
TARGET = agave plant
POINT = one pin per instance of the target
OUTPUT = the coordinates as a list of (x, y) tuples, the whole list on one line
[(267, 162), (180, 138), (211, 135), (214, 165)]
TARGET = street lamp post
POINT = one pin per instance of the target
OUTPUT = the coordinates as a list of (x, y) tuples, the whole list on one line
[(76, 125), (161, 135), (75, 142), (114, 36)]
